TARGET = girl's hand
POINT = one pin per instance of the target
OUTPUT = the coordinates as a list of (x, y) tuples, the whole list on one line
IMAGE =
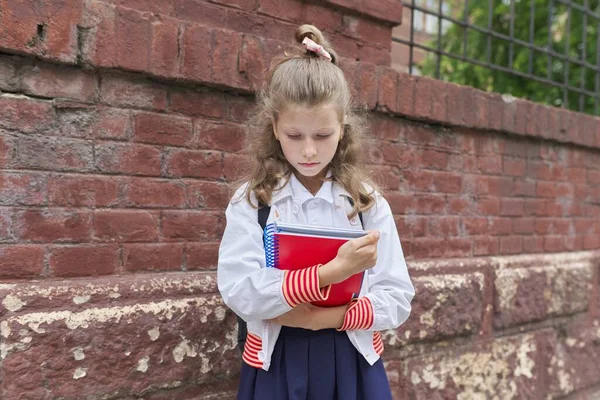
[(300, 316), (356, 255)]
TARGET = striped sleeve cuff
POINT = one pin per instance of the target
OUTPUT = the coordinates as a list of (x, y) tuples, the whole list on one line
[(359, 315), (302, 286)]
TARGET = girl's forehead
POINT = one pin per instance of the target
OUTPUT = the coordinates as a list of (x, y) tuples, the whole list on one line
[(301, 114)]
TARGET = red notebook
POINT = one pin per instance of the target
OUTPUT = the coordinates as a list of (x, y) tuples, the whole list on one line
[(293, 247)]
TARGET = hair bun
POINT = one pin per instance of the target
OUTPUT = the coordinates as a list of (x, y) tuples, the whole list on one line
[(314, 34)]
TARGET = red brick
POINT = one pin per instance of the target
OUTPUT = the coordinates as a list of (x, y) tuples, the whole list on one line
[(145, 192), (98, 45), (238, 108), (401, 203), (446, 247), (493, 185), (554, 244), (164, 49), (163, 129), (55, 154), (196, 61), (52, 225), (322, 17), (54, 81), (7, 151), (290, 10), (546, 189), (84, 260), (576, 175), (388, 85), (111, 124), (369, 86), (249, 5), (511, 245), (161, 7), (82, 191), (6, 215), (26, 115), (433, 159), (536, 207), (444, 226), (395, 153), (415, 180), (512, 207), (523, 225), (191, 225), (485, 246), (235, 166), (220, 136), (464, 205), (524, 188), (196, 164), (406, 94), (209, 195), (20, 23), (430, 204), (447, 182), (126, 226), (489, 206), (386, 10), (533, 244), (120, 91), (128, 159), (198, 103), (424, 97), (475, 225), (9, 70), (28, 189), (591, 242), (133, 31), (153, 257), (513, 166), (490, 164), (500, 226), (411, 226), (21, 261), (201, 256)]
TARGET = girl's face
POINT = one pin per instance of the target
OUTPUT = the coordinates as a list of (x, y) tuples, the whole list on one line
[(309, 137)]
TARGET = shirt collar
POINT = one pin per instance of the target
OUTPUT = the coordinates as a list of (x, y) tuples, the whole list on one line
[(329, 191)]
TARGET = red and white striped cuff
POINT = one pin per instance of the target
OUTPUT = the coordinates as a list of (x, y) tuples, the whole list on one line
[(359, 315), (302, 286)]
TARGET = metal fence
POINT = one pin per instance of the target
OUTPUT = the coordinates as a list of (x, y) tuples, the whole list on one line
[(544, 50)]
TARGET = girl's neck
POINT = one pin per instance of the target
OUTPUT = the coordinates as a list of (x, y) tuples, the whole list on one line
[(312, 183)]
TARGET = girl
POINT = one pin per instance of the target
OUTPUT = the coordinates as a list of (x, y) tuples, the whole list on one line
[(308, 169)]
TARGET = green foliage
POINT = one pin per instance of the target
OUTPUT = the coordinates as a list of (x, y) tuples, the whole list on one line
[(486, 49)]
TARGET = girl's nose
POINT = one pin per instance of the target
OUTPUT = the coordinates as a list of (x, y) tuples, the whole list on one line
[(309, 150)]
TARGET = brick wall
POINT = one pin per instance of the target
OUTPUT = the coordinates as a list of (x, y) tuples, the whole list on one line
[(121, 126)]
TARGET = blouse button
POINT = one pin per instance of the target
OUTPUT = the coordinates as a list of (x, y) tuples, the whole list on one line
[(295, 208)]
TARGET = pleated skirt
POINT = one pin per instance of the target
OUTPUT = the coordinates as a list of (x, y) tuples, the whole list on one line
[(315, 365)]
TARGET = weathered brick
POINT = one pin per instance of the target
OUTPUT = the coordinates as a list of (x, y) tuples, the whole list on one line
[(388, 86), (201, 256), (52, 225), (444, 226), (507, 367), (54, 154), (153, 257), (83, 191), (84, 260), (191, 225), (25, 115), (100, 34), (219, 136), (199, 103), (194, 163), (447, 182), (21, 261), (120, 91), (133, 32), (196, 61), (128, 158), (126, 226), (29, 189), (536, 293), (447, 306), (59, 81), (202, 194), (163, 129), (9, 73), (145, 192)]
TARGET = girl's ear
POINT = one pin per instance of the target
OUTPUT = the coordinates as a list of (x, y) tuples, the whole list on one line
[(274, 124)]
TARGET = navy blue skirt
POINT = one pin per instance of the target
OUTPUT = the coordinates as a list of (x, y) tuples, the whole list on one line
[(321, 365)]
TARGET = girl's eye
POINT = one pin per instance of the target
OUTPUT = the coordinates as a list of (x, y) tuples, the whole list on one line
[(294, 137), (322, 136)]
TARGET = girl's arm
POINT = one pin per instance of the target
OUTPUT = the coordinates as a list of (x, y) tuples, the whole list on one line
[(386, 305), (251, 290)]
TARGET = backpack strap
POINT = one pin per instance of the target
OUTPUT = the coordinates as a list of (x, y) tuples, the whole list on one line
[(360, 215), (263, 214)]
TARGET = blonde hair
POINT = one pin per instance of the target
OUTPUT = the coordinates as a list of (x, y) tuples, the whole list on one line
[(306, 79)]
